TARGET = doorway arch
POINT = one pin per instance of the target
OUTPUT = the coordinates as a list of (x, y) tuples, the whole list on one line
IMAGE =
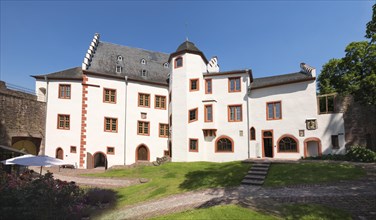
[(142, 153), (26, 146), (59, 153), (99, 160), (312, 147)]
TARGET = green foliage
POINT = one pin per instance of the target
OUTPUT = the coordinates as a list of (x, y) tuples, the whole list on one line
[(355, 73), (339, 157), (97, 196), (313, 212), (361, 154), (309, 173)]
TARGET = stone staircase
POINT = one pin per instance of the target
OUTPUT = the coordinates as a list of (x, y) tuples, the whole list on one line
[(257, 174)]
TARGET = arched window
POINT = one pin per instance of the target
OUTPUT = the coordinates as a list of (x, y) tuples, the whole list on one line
[(178, 62), (119, 58), (224, 144), (165, 65), (288, 144), (143, 61), (253, 133)]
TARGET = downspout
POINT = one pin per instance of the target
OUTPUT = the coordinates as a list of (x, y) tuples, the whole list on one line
[(125, 118), (248, 131), (45, 123)]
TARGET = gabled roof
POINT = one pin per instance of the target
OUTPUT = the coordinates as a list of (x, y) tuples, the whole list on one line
[(69, 74), (280, 80), (105, 60)]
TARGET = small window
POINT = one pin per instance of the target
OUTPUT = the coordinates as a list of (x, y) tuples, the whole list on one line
[(63, 122), (208, 113), (143, 100), (144, 73), (119, 58), (235, 113), (335, 142), (253, 134), (193, 85), (110, 124), (165, 65), (143, 61), (64, 91), (326, 104), (193, 113), (143, 128), (208, 86), (160, 102), (234, 84), (178, 62), (109, 95), (163, 130), (193, 145), (111, 150), (274, 111), (288, 144), (224, 144), (73, 149), (209, 132), (119, 69)]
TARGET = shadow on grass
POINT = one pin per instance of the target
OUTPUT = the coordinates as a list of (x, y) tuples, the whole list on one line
[(225, 175), (99, 201)]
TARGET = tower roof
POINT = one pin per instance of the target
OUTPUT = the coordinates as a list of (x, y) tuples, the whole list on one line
[(188, 47)]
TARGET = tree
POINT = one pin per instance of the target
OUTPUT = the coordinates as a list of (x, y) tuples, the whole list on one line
[(355, 73)]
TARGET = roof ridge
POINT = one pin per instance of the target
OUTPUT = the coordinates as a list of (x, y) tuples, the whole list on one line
[(134, 47), (285, 74)]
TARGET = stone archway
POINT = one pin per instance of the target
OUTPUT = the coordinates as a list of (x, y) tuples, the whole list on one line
[(99, 160), (312, 147), (142, 153), (26, 146)]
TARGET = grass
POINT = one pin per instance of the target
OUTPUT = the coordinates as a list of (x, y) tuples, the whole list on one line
[(174, 178), (306, 173), (303, 212)]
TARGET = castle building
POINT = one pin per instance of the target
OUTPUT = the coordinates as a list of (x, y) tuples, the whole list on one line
[(125, 105)]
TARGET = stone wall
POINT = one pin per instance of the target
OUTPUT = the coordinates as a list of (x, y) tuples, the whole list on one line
[(22, 117)]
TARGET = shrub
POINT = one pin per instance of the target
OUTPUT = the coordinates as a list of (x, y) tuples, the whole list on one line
[(96, 196), (361, 154)]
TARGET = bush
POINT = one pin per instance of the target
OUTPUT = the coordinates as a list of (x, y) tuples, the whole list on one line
[(97, 197), (361, 154)]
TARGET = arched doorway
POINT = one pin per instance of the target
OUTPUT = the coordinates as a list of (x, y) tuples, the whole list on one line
[(26, 146), (59, 153), (142, 153), (100, 160), (312, 147)]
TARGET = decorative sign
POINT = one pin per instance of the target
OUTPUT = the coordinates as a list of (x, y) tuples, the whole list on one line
[(301, 133), (311, 124)]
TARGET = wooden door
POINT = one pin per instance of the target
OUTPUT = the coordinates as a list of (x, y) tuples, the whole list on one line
[(142, 153), (267, 143)]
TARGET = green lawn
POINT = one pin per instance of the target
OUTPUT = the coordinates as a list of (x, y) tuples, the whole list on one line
[(303, 173), (296, 211), (173, 178)]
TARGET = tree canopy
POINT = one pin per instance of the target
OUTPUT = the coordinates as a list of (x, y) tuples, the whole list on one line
[(355, 73)]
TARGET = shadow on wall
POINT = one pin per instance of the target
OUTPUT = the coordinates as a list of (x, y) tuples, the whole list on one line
[(4, 136)]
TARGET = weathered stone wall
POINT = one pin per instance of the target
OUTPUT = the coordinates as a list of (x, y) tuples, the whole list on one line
[(21, 115), (360, 122)]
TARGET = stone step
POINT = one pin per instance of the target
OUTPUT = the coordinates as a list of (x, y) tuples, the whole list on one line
[(261, 165), (252, 182), (259, 168), (255, 172), (256, 177)]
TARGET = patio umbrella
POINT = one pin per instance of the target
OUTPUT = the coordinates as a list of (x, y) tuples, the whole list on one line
[(32, 160)]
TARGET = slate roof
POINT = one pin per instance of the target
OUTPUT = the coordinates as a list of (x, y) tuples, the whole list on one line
[(73, 73), (105, 61), (280, 79), (188, 47)]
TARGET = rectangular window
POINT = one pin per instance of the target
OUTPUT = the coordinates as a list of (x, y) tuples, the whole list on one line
[(73, 149), (193, 115), (109, 95), (143, 128), (235, 113), (163, 130), (110, 124), (178, 62), (335, 142), (194, 85), (274, 110), (63, 122), (193, 145), (160, 102), (208, 113), (234, 84), (143, 100), (110, 150), (64, 91), (208, 86), (118, 69), (326, 104)]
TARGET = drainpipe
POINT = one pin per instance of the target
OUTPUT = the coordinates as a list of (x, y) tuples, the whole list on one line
[(45, 123), (125, 117), (248, 135)]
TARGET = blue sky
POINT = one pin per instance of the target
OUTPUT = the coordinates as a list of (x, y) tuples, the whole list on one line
[(270, 37)]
